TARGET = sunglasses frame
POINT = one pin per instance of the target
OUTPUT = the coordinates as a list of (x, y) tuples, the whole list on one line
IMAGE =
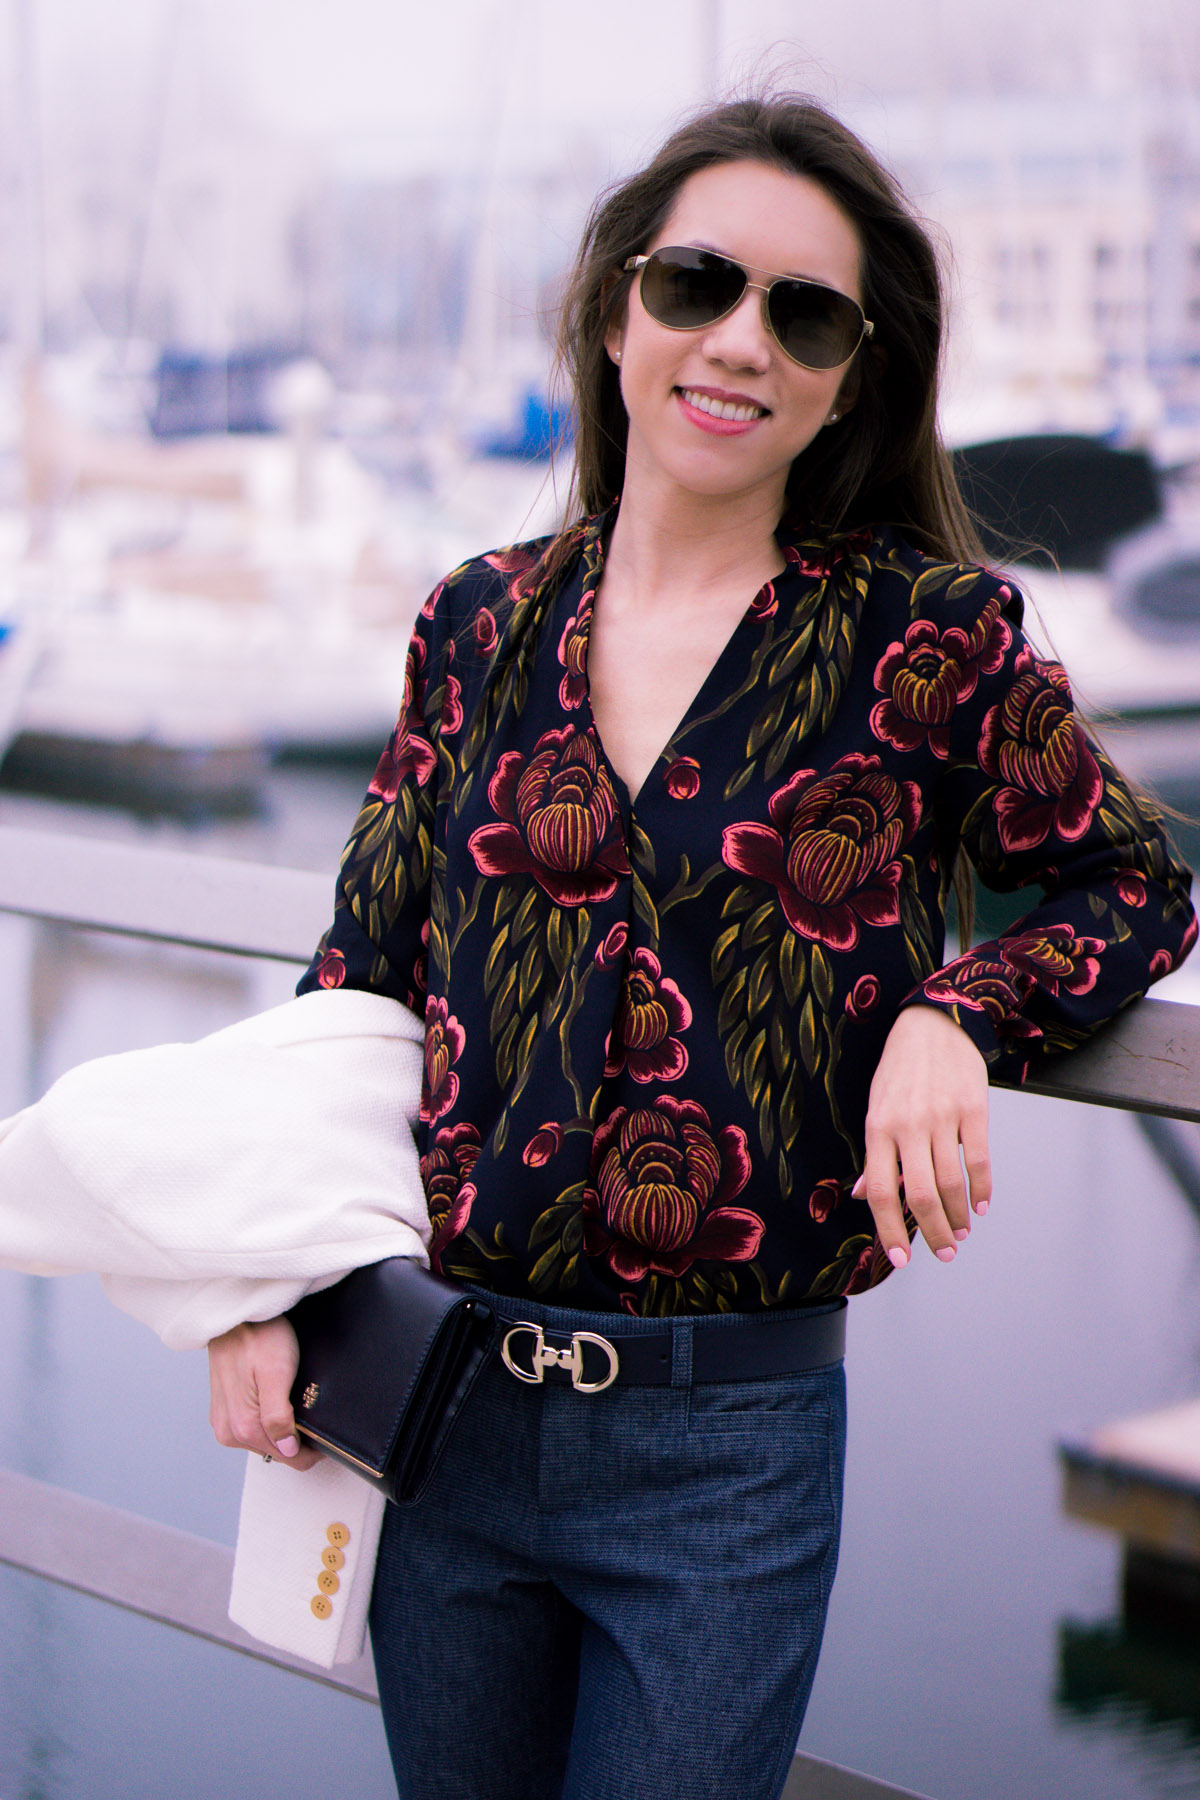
[(634, 263)]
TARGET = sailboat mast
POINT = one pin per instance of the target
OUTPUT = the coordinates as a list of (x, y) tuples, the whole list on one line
[(30, 283)]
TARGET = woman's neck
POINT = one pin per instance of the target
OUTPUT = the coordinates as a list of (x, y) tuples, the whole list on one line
[(692, 543)]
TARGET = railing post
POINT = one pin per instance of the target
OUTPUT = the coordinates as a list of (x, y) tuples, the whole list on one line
[(17, 936)]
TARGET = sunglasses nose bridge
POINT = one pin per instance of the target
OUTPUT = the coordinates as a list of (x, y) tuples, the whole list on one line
[(734, 315), (763, 290)]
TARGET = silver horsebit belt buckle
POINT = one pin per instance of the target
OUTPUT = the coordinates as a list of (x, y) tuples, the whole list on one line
[(545, 1356)]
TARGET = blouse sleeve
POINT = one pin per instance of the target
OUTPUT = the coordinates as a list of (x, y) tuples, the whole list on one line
[(380, 932), (1034, 800)]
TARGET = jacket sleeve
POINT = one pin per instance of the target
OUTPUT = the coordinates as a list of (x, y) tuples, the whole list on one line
[(380, 932), (1033, 799)]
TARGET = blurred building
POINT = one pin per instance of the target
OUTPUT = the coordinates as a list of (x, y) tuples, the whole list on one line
[(1074, 222), (1074, 226)]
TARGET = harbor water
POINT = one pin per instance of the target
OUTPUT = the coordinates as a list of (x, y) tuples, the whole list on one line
[(975, 1649)]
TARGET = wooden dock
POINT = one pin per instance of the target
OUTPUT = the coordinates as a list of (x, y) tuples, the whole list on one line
[(1140, 1478)]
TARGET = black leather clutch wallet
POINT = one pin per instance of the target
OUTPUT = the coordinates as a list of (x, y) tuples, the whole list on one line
[(387, 1358)]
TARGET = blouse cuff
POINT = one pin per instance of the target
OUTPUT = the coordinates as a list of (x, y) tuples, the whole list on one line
[(977, 1025), (983, 995)]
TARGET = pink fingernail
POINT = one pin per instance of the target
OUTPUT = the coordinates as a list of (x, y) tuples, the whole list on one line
[(982, 1208), (962, 1234), (898, 1257), (287, 1446), (947, 1253)]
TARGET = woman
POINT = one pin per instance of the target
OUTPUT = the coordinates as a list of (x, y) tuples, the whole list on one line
[(661, 849)]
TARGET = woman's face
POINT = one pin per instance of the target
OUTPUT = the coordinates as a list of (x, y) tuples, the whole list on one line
[(773, 223)]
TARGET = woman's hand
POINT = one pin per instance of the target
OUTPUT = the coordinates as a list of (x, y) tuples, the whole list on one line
[(251, 1370), (929, 1096)]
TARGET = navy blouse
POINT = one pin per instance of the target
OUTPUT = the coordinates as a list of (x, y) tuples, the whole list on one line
[(651, 1028)]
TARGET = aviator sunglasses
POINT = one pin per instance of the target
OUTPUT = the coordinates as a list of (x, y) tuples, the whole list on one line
[(814, 325)]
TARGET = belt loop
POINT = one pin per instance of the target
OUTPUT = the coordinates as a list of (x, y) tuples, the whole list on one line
[(681, 1353)]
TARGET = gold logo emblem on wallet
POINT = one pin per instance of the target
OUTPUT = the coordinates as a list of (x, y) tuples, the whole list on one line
[(310, 1394)]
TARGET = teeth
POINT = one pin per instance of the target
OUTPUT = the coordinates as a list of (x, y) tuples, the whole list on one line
[(722, 409)]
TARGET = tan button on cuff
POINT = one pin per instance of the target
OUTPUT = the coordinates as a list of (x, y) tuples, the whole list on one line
[(327, 1577)]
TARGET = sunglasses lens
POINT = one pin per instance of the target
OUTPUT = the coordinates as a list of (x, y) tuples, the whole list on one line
[(817, 326), (688, 288)]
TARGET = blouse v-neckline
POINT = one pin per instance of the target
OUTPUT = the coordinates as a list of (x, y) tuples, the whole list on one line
[(756, 610)]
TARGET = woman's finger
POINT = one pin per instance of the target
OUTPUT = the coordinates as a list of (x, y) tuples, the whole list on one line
[(928, 1097), (976, 1156), (923, 1198), (251, 1370), (951, 1184), (879, 1184)]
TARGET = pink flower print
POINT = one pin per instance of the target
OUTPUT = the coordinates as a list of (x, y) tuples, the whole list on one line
[(1054, 957), (870, 1268), (863, 997), (516, 561), (1049, 780), (331, 970), (660, 1179), (818, 564), (561, 822), (985, 984), (931, 673), (408, 752), (825, 1196), (612, 950), (683, 778), (831, 851), (1132, 887), (650, 1010), (444, 1042), (450, 1196), (485, 632), (572, 654), (545, 1143)]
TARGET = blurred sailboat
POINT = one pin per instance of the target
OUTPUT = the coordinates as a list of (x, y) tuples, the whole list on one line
[(1107, 549)]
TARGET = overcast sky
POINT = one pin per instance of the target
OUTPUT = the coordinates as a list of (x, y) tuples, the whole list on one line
[(467, 79)]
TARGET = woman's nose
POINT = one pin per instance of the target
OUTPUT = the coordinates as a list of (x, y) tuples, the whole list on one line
[(740, 339)]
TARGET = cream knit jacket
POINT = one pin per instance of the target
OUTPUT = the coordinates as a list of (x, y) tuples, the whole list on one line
[(217, 1182)]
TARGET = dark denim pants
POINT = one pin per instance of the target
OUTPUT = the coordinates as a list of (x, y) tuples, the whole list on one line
[(612, 1596)]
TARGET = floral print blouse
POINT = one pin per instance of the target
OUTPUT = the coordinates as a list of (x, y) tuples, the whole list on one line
[(652, 1023)]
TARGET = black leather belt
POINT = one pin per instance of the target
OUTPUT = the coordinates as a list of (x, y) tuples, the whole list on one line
[(688, 1351)]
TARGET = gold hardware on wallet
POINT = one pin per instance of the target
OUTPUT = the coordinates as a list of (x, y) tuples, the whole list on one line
[(388, 1357), (545, 1356)]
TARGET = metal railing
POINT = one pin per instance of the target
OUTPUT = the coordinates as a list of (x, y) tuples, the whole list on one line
[(1147, 1060)]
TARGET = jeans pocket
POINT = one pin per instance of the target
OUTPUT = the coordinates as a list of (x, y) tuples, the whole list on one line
[(776, 1404)]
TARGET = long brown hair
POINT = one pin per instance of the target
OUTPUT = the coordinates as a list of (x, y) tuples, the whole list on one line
[(883, 462)]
